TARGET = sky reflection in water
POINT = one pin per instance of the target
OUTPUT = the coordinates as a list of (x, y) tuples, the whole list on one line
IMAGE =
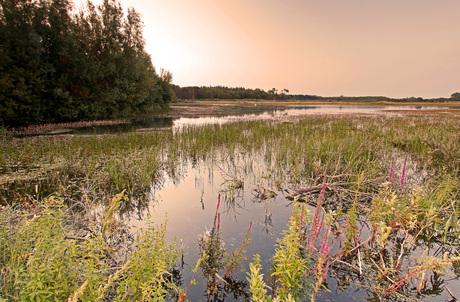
[(293, 111)]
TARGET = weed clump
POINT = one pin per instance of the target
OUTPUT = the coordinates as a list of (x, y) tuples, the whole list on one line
[(43, 259)]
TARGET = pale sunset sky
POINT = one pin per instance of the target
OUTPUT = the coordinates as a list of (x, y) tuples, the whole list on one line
[(394, 48)]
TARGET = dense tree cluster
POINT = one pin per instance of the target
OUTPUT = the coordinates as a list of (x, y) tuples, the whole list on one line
[(217, 92), (59, 64), (226, 93), (238, 93)]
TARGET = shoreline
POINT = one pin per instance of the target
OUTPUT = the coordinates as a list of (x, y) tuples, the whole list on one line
[(206, 108)]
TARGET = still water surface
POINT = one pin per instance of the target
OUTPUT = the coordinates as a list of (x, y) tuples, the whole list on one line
[(249, 113), (298, 111), (189, 203)]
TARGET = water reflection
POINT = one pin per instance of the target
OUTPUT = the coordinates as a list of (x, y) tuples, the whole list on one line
[(228, 115), (189, 203), (294, 111), (146, 124)]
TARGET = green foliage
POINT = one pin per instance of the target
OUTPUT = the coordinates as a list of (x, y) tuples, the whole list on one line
[(257, 285), (401, 221), (149, 277), (350, 233), (291, 260), (42, 261), (35, 254), (213, 258), (62, 66)]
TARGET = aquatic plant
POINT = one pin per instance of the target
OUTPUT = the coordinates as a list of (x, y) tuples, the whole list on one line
[(291, 260), (214, 259), (402, 224), (212, 254)]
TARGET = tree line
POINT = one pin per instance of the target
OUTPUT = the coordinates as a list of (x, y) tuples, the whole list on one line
[(225, 93), (61, 64), (238, 93)]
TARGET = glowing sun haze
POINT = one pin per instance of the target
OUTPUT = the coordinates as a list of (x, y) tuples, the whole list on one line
[(394, 48)]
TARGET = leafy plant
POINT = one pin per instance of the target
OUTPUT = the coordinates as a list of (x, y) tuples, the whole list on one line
[(42, 260)]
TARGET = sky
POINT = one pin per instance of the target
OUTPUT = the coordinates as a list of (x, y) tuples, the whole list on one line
[(393, 48)]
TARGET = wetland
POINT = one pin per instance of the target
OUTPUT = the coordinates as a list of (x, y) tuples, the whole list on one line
[(236, 203)]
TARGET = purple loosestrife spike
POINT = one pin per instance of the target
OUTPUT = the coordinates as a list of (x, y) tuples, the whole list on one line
[(250, 225), (403, 175), (325, 270), (323, 189), (218, 221), (392, 170), (218, 202), (318, 229), (324, 249)]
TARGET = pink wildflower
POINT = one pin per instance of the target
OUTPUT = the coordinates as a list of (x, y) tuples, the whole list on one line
[(323, 189), (324, 249), (319, 226), (325, 270), (390, 179), (403, 176)]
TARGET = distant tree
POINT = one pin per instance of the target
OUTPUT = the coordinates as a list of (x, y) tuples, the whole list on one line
[(455, 95), (218, 92), (284, 93), (273, 93)]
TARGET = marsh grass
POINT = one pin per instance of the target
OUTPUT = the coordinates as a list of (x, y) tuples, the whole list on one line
[(297, 150)]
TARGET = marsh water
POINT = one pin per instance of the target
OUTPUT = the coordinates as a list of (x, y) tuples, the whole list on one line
[(291, 111), (188, 202), (223, 113)]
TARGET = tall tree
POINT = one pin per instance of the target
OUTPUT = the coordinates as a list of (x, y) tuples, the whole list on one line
[(20, 77), (58, 66)]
